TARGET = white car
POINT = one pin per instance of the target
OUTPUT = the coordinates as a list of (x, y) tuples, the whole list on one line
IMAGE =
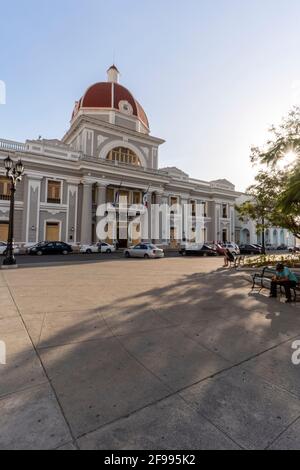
[(232, 247), (98, 248), (3, 248), (144, 250)]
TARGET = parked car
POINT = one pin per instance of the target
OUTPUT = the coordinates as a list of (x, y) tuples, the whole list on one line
[(3, 248), (144, 250), (282, 247), (232, 247), (294, 249), (199, 250), (270, 247), (51, 248), (250, 250), (98, 248)]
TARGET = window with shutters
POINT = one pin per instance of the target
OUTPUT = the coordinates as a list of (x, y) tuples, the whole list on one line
[(4, 189), (54, 192)]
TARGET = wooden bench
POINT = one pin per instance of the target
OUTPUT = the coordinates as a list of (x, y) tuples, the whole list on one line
[(263, 280)]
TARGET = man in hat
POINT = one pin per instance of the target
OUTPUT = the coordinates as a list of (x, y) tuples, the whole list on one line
[(286, 278)]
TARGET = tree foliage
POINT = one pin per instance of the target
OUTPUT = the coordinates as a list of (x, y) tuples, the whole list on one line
[(275, 196)]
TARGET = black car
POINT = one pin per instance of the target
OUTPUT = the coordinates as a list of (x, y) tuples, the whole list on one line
[(250, 250), (51, 248), (205, 250), (282, 247)]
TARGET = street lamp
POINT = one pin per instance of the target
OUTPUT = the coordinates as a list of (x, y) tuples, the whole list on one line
[(15, 174)]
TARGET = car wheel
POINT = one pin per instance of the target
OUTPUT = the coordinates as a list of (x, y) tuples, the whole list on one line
[(39, 253), (108, 252), (88, 252), (65, 252), (127, 254), (205, 255), (146, 256)]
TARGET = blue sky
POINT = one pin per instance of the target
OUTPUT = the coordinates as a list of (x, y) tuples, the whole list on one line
[(212, 75)]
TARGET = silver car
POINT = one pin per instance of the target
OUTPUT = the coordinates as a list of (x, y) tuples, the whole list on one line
[(144, 250)]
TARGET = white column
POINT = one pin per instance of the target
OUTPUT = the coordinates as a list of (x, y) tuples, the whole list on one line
[(86, 217)]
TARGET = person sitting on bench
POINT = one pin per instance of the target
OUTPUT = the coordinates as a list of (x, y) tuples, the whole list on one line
[(285, 278)]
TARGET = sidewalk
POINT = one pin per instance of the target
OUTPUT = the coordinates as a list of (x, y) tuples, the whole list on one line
[(165, 354)]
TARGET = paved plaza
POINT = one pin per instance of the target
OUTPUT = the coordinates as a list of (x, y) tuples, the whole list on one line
[(136, 354)]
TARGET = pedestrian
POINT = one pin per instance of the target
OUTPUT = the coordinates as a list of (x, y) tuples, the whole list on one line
[(286, 278)]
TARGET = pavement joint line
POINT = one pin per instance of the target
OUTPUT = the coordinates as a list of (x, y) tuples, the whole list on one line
[(185, 388), (113, 336), (41, 330), (66, 444), (42, 365), (283, 432), (179, 391), (23, 389)]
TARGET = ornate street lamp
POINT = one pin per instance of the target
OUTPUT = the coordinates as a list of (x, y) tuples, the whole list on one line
[(15, 174)]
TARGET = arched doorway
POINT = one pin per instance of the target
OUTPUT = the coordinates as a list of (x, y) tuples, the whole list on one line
[(245, 237)]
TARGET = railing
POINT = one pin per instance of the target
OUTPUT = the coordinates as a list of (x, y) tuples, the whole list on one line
[(53, 201), (11, 145), (4, 197)]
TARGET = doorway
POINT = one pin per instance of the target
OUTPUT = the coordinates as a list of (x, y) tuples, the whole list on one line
[(52, 231), (3, 231), (224, 236)]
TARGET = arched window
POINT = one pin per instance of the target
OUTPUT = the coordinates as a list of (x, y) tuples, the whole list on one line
[(123, 155)]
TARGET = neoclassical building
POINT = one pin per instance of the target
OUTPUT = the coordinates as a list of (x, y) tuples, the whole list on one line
[(246, 231), (107, 152)]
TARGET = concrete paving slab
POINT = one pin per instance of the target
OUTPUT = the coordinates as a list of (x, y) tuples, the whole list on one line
[(8, 308), (98, 382), (146, 305), (276, 367), (21, 371), (67, 447), (132, 320), (172, 356), (244, 406), (167, 425), (289, 440), (230, 341), (32, 419), (16, 341), (57, 329)]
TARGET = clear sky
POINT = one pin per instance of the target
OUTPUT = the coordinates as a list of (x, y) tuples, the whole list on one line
[(212, 75)]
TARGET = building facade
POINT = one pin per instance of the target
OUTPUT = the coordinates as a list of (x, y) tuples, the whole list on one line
[(246, 231), (107, 152)]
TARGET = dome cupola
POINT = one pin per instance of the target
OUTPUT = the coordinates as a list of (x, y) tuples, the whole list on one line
[(104, 97)]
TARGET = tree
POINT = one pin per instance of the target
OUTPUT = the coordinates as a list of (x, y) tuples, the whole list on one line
[(275, 196)]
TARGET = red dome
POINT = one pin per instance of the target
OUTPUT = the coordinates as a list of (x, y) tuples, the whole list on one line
[(110, 95)]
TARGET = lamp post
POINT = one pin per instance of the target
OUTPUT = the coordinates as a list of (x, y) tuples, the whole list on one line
[(15, 174)]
